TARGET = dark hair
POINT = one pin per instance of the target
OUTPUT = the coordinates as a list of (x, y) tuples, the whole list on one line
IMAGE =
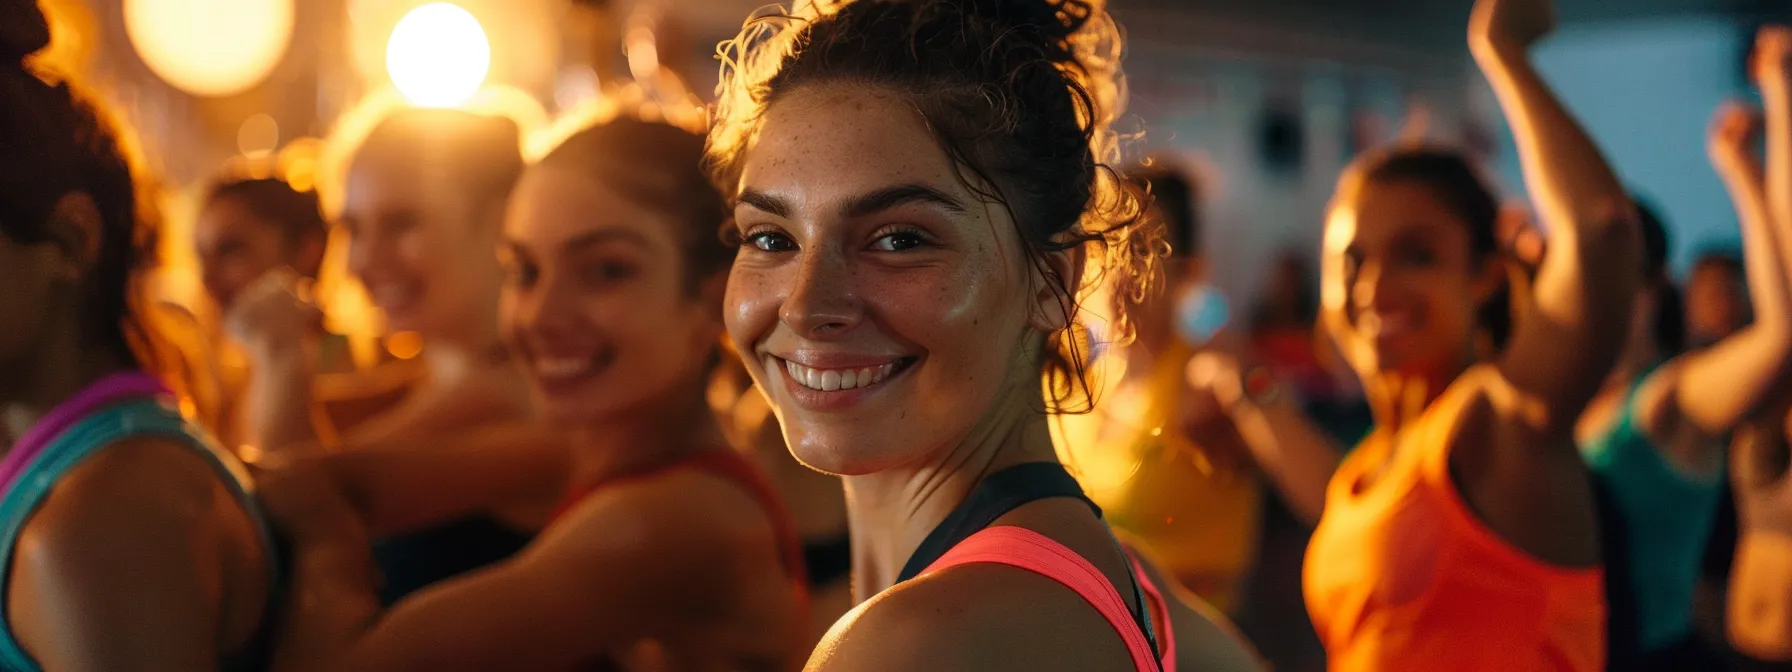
[(1174, 195), (57, 142), (295, 214), (1669, 329), (1726, 260), (659, 165), (1455, 182), (481, 156), (1019, 93)]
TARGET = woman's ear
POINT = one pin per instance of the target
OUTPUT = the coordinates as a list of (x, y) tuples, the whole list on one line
[(1056, 274), (76, 231)]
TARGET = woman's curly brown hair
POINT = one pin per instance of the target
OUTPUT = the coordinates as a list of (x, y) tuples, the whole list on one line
[(1020, 93)]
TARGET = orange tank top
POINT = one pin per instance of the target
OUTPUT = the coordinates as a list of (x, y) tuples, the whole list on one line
[(1401, 574)]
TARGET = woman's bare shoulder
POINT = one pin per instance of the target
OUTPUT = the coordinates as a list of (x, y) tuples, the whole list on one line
[(973, 617)]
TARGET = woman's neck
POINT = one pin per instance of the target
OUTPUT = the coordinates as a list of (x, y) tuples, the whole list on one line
[(1397, 398), (891, 511), (641, 437), (37, 384)]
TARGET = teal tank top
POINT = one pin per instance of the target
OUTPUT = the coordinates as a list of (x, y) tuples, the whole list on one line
[(86, 437), (1668, 515)]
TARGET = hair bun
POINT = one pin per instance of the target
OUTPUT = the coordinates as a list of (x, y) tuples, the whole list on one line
[(23, 29)]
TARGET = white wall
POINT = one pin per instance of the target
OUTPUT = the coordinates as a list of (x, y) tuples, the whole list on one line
[(1646, 91)]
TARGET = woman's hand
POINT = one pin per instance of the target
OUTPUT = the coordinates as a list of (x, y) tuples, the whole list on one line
[(1735, 131), (1510, 24), (272, 316), (1207, 412)]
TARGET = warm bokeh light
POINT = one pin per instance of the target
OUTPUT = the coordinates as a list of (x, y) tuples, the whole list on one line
[(210, 47), (404, 344), (438, 55), (258, 136)]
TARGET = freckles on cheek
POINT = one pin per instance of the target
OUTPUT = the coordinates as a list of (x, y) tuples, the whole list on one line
[(748, 305)]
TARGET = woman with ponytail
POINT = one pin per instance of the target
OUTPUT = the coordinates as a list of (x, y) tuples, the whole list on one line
[(128, 539), (1462, 534), (918, 187)]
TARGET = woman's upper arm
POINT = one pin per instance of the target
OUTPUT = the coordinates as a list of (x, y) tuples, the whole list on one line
[(404, 484), (613, 572), (133, 553)]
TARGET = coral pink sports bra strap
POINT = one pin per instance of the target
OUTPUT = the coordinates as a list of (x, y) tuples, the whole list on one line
[(1034, 552)]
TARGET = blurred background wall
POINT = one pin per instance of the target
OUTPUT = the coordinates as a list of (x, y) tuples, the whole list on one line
[(1265, 99)]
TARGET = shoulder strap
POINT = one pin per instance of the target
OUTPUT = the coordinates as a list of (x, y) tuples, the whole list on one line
[(1160, 611), (1025, 549), (731, 466), (998, 494), (145, 417)]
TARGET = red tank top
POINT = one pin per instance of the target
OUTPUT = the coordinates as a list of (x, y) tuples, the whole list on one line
[(729, 466)]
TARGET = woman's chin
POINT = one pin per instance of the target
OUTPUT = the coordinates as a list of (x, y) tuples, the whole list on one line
[(828, 456)]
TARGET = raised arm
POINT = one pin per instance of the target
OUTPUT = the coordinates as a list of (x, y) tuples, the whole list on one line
[(279, 331), (1716, 388), (1562, 350)]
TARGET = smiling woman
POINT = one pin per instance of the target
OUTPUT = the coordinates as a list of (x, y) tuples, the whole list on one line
[(918, 186), (667, 550)]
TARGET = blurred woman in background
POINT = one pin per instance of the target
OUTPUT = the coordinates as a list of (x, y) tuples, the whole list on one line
[(248, 228), (423, 206), (1760, 601), (1193, 509), (130, 541), (1656, 434), (668, 549), (1462, 534)]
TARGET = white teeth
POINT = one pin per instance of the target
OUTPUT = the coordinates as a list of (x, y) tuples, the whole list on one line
[(562, 367), (833, 380)]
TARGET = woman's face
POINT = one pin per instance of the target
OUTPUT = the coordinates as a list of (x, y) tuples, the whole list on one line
[(881, 305), (1716, 303), (1401, 285), (235, 246), (596, 302), (421, 246)]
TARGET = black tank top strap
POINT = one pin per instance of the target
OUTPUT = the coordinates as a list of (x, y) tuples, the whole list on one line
[(1001, 493)]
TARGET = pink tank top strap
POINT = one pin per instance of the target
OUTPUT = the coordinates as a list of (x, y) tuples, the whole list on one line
[(1034, 552)]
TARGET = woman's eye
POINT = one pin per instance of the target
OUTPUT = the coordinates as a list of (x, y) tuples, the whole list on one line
[(607, 272), (899, 241), (769, 241), (519, 275), (1417, 256)]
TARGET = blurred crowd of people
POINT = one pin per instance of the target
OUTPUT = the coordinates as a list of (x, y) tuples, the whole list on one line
[(951, 391)]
